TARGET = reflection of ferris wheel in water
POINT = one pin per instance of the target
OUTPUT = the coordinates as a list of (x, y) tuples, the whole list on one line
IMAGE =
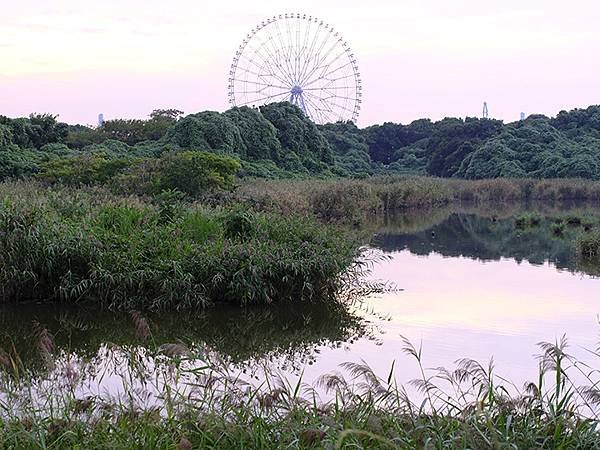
[(300, 59)]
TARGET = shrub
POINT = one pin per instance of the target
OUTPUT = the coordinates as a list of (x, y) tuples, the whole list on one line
[(84, 169), (193, 173), (588, 245), (238, 223), (16, 162), (197, 172)]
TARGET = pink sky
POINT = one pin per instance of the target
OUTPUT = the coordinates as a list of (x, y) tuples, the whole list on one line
[(417, 58)]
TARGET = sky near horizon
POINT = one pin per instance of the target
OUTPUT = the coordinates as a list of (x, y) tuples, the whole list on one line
[(427, 58)]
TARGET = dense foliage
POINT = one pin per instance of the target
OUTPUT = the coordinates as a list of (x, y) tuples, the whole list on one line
[(278, 141), (71, 245)]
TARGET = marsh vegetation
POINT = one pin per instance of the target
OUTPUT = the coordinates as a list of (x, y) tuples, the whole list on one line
[(269, 377), (204, 281)]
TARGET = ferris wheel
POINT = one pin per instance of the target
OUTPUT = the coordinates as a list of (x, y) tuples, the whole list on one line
[(300, 59)]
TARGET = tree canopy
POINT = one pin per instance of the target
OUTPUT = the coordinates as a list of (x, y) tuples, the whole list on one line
[(278, 140)]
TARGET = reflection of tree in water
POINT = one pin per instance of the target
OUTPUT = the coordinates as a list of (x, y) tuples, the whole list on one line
[(287, 333), (489, 238)]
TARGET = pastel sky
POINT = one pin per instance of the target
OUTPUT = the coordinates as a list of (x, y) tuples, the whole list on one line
[(425, 58)]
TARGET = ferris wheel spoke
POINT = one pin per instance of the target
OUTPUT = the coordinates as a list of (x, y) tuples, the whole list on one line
[(316, 66), (325, 105), (305, 40), (318, 111), (265, 88), (257, 51), (296, 50), (323, 63), (262, 100), (323, 88), (316, 58), (311, 49), (291, 49), (277, 58), (333, 80), (264, 84), (271, 61), (274, 96), (259, 67), (329, 80), (329, 64), (353, 99), (286, 52), (337, 105), (268, 66), (329, 104), (271, 73)]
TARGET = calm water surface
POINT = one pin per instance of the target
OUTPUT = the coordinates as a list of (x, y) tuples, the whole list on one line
[(471, 284)]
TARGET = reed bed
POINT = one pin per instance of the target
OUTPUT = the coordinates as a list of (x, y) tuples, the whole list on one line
[(179, 397), (354, 201), (61, 244)]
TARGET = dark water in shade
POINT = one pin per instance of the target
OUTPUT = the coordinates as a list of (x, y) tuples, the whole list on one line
[(473, 284)]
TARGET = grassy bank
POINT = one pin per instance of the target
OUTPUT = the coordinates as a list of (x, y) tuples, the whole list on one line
[(352, 201), (180, 398), (70, 245)]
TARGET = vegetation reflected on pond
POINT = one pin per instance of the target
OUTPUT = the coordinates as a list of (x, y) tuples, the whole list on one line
[(234, 366), (532, 233), (240, 336)]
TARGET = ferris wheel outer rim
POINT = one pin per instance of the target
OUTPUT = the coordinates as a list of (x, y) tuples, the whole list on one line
[(347, 49)]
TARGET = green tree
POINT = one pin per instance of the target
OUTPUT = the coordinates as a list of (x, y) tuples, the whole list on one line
[(296, 132)]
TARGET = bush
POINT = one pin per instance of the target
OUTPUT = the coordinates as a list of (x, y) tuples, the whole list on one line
[(196, 173), (588, 245), (192, 173), (17, 162), (85, 169)]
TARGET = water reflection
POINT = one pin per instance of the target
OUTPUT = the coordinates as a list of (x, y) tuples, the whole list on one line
[(474, 284), (291, 334), (493, 236)]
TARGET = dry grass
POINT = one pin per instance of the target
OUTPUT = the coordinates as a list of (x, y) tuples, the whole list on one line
[(351, 201)]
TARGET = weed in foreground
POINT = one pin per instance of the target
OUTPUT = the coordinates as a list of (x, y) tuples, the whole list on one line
[(192, 399)]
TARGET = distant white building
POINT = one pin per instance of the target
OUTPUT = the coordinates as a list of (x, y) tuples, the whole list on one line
[(100, 120), (522, 116)]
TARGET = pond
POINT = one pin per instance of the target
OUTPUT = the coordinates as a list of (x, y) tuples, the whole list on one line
[(469, 283)]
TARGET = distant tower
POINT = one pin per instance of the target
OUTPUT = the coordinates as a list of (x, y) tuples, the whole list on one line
[(522, 116), (100, 120), (486, 113)]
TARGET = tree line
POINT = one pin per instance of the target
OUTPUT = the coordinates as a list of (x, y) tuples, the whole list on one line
[(278, 140)]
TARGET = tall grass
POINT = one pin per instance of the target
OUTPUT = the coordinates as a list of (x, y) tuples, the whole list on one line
[(179, 397), (352, 200), (126, 252), (588, 246)]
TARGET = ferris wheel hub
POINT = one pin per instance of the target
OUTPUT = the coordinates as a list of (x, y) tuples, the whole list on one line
[(297, 98)]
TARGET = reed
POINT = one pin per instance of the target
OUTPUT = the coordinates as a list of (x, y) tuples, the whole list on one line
[(75, 245), (190, 399), (349, 201)]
